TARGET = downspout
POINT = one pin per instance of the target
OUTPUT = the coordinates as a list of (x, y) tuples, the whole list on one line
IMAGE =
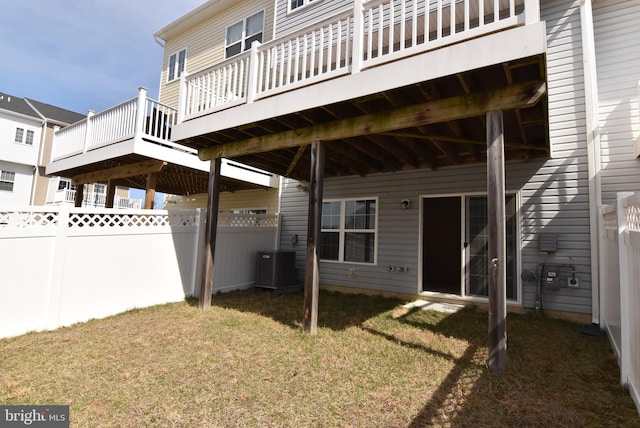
[(593, 154), (160, 43), (43, 136)]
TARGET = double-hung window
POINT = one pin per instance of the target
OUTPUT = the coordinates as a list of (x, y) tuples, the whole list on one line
[(7, 180), (349, 229), (241, 34), (176, 65), (20, 137), (295, 4)]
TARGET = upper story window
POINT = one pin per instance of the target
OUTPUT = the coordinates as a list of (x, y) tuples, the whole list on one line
[(241, 34), (7, 179), (295, 4), (349, 231), (23, 138), (176, 65)]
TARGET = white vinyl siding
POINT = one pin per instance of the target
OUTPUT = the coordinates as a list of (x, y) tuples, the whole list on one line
[(205, 43), (15, 183), (554, 193), (618, 68), (317, 10)]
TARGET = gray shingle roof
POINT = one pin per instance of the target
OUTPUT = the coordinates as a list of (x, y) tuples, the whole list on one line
[(16, 105), (31, 107), (56, 114)]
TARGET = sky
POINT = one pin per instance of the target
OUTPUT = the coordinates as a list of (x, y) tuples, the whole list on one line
[(83, 55)]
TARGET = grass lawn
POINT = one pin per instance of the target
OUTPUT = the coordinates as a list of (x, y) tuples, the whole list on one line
[(246, 362)]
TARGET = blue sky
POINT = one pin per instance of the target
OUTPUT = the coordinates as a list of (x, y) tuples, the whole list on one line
[(82, 55)]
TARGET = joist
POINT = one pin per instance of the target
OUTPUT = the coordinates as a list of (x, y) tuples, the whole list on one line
[(123, 171), (453, 108)]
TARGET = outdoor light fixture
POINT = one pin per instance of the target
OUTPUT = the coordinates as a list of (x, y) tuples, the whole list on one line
[(301, 188), (405, 204)]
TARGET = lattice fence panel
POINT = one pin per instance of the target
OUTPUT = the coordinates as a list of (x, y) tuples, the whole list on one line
[(28, 219)]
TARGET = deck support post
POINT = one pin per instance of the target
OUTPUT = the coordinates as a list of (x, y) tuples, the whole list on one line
[(111, 194), (211, 227), (312, 271), (497, 243), (150, 191), (79, 196)]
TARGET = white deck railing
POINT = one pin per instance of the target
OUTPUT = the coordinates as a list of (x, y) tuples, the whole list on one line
[(138, 117), (366, 35), (621, 286)]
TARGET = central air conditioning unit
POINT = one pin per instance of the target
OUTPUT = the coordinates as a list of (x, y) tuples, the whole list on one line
[(276, 269)]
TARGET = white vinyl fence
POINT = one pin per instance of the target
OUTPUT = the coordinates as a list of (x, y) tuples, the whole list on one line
[(621, 287), (63, 265)]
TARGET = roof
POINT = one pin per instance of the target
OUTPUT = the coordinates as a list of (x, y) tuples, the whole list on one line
[(193, 18), (38, 109), (56, 114), (16, 105)]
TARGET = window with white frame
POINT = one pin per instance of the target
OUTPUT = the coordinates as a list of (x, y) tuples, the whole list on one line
[(349, 229), (23, 138), (241, 34), (176, 65), (295, 4), (7, 180)]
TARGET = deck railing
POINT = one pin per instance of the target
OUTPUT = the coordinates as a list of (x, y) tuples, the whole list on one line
[(93, 199), (368, 34), (138, 117)]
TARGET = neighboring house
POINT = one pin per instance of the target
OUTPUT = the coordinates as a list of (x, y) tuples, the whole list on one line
[(401, 112), (30, 125), (20, 138)]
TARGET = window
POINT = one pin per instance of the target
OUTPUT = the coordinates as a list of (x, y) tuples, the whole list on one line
[(19, 138), (294, 4), (7, 179), (176, 65), (349, 231), (19, 135), (241, 34), (65, 184)]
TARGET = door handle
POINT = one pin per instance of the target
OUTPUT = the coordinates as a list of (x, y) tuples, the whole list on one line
[(466, 244)]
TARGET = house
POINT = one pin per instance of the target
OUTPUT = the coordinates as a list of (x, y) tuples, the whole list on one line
[(30, 125), (20, 130), (385, 110)]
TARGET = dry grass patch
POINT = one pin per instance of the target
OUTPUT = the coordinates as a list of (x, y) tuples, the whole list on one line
[(246, 362)]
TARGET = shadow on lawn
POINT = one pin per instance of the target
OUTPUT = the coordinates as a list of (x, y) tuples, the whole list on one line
[(555, 376), (336, 311)]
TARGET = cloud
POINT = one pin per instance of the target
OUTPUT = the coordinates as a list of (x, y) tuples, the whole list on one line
[(83, 55)]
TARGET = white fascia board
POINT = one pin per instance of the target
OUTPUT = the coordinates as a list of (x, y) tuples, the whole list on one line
[(166, 154), (103, 153), (249, 174), (508, 45)]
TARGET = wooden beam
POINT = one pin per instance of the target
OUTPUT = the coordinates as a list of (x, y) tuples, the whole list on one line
[(111, 194), (496, 243), (446, 138), (123, 171), (210, 235), (79, 195), (150, 191), (312, 271), (295, 160), (521, 95)]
